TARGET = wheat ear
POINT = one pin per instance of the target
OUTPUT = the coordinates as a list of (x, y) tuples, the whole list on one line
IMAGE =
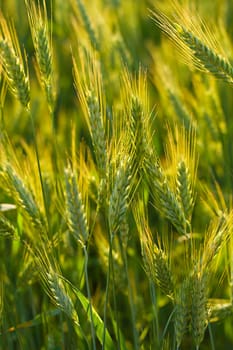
[(182, 311), (6, 227), (59, 295), (199, 311), (155, 257), (24, 198), (157, 266), (201, 52), (119, 197), (42, 43), (138, 121), (184, 189), (216, 237), (76, 216), (90, 92), (87, 24), (205, 56), (97, 131), (12, 62), (220, 310), (165, 199), (53, 282)]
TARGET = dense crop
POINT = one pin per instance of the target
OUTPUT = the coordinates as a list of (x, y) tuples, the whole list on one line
[(116, 174)]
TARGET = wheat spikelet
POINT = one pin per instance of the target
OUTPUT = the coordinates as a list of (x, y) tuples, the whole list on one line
[(119, 196), (172, 208), (199, 313), (217, 235), (6, 227), (124, 231), (138, 131), (88, 83), (165, 199), (206, 57), (182, 311), (88, 26), (161, 272), (156, 259), (24, 198), (97, 131), (12, 63), (76, 217), (42, 43), (16, 77), (182, 162), (197, 45), (137, 122), (59, 295), (184, 188), (52, 281), (219, 309)]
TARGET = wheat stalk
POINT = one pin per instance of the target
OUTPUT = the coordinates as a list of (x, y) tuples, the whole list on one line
[(1, 300)]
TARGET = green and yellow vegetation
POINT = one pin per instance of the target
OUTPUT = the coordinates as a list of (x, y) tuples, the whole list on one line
[(116, 174)]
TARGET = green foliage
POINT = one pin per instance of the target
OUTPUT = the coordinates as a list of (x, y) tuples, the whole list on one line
[(116, 161)]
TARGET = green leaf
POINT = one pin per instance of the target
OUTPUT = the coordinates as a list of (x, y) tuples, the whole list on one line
[(98, 323)]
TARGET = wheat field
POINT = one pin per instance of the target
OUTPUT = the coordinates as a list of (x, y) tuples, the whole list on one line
[(116, 175)]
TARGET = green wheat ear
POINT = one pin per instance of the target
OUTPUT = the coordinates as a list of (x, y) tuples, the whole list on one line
[(199, 311), (206, 57), (13, 64), (196, 44), (156, 255), (76, 216), (89, 88), (182, 311), (80, 6), (118, 201), (25, 199), (41, 37)]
